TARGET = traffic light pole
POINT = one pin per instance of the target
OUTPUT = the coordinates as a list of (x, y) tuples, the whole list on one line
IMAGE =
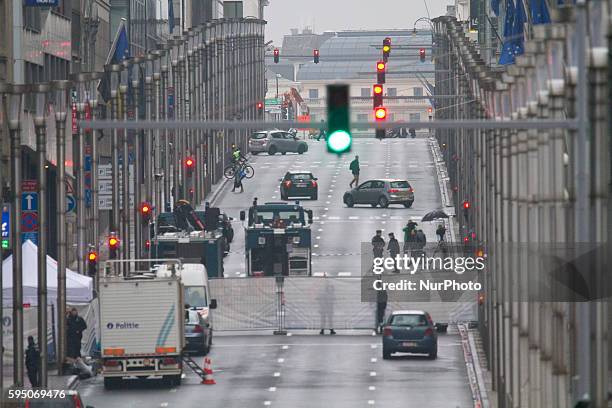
[(138, 171), (125, 173)]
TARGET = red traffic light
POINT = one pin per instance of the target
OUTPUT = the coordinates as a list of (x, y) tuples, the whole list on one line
[(481, 298), (260, 105), (145, 208), (380, 113), (466, 239), (422, 52), (466, 205), (429, 110), (113, 242), (276, 52), (92, 256), (189, 162), (378, 89), (380, 66), (316, 52)]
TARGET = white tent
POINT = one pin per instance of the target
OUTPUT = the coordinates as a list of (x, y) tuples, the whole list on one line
[(78, 287)]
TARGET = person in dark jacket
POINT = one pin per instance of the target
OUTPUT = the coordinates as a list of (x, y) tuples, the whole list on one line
[(394, 249), (354, 168), (378, 244), (76, 326), (32, 362), (381, 307)]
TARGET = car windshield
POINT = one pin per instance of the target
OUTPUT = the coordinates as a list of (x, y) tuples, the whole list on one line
[(408, 320), (259, 135), (400, 184), (195, 296), (266, 217), (301, 176)]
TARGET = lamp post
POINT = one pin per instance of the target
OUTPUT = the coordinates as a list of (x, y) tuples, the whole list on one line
[(174, 55), (60, 91), (138, 170), (4, 89), (165, 63), (95, 112), (125, 167), (80, 81), (13, 116), (157, 175), (41, 91), (114, 71)]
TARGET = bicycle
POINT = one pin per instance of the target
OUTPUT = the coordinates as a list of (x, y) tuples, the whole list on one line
[(230, 170)]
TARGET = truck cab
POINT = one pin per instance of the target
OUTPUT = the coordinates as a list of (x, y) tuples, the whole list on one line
[(278, 239)]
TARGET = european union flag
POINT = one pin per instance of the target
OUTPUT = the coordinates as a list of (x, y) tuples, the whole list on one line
[(507, 53), (119, 51), (539, 12), (170, 16), (495, 6), (518, 31)]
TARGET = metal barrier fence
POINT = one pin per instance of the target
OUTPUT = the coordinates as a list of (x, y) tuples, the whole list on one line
[(295, 303)]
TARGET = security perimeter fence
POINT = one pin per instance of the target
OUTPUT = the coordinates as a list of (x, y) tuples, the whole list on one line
[(296, 303)]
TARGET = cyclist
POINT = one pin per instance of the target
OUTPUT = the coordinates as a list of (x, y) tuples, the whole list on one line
[(237, 156)]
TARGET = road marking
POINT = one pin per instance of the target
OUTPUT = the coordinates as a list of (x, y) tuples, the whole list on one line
[(372, 388), (371, 346), (163, 404), (267, 403), (289, 334), (285, 347), (320, 229), (272, 389), (333, 218), (277, 374), (281, 360), (326, 209), (373, 360), (316, 245), (372, 373), (371, 402), (318, 237), (352, 217), (173, 390), (344, 273), (327, 202)]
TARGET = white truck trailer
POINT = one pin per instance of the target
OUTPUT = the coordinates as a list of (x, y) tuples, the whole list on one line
[(142, 324)]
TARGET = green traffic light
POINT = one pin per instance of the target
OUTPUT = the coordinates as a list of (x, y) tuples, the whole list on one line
[(5, 244), (339, 141)]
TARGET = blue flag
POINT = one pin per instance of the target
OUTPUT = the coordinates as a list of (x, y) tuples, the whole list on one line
[(539, 12), (495, 6), (170, 16), (119, 51), (507, 53), (518, 30)]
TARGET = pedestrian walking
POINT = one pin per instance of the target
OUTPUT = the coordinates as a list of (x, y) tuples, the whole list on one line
[(321, 133), (238, 176), (409, 235), (394, 249), (381, 307), (378, 244), (32, 362), (354, 167), (76, 326), (440, 232), (326, 307)]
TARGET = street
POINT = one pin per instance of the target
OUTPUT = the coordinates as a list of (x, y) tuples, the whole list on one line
[(304, 371), (338, 231)]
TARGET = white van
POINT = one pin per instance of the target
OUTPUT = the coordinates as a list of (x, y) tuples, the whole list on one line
[(196, 295)]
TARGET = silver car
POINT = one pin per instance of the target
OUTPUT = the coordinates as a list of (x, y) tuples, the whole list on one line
[(276, 141), (381, 192)]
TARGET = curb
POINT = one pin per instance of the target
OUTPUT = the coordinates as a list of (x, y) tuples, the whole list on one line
[(468, 355), (484, 398), (73, 382), (442, 176)]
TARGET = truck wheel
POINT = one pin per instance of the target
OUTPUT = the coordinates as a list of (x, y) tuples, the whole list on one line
[(111, 383)]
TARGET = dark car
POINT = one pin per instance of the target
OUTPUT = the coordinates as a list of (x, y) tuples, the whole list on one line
[(410, 331), (299, 184), (198, 331), (63, 399)]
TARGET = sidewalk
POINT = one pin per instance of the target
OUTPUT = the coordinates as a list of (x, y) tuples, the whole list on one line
[(55, 381)]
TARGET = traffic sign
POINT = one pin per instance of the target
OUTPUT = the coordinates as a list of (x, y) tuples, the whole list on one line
[(5, 222), (29, 185), (29, 201), (29, 221), (70, 203), (41, 3)]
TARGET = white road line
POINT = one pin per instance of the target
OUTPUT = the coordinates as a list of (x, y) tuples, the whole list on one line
[(333, 218), (320, 229), (373, 360), (371, 402), (352, 217), (163, 404), (267, 403), (373, 346), (316, 245), (285, 347), (289, 334), (372, 373), (277, 374), (372, 388), (272, 389), (344, 273), (281, 360)]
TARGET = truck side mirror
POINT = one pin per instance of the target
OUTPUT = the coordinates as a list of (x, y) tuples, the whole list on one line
[(242, 215), (213, 304), (309, 212)]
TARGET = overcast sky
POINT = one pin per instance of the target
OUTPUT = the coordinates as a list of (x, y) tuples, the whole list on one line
[(326, 15)]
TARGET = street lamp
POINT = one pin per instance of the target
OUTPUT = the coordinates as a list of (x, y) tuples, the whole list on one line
[(60, 103), (94, 112), (114, 71), (13, 109), (41, 91), (165, 62), (125, 174), (138, 173)]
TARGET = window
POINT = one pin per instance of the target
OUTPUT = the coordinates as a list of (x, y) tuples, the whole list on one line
[(232, 9), (365, 92), (399, 184), (259, 135), (417, 91), (367, 184), (195, 296), (378, 184), (301, 176), (391, 91), (31, 19), (408, 320), (415, 116), (313, 93), (33, 75), (362, 117), (277, 135)]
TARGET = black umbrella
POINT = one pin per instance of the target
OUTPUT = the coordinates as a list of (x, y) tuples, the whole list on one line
[(434, 215)]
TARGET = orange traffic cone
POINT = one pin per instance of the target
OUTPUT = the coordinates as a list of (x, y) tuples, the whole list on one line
[(208, 373)]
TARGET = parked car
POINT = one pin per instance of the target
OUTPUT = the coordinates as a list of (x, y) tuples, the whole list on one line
[(410, 331), (381, 192), (64, 399), (299, 184), (198, 331), (276, 141)]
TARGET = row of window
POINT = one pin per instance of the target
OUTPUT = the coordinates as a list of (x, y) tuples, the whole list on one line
[(367, 92), (365, 117)]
